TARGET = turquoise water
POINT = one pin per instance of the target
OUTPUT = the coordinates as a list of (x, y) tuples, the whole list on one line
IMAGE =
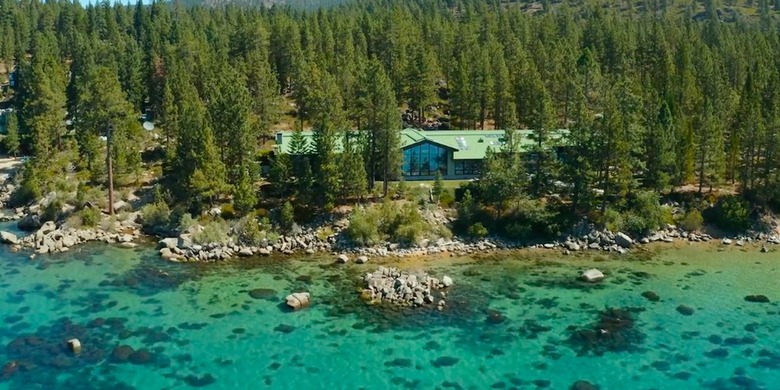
[(512, 321)]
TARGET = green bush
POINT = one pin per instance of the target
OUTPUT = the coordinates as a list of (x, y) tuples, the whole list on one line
[(52, 211), (287, 216), (364, 227), (186, 221), (692, 221), (28, 190), (401, 188), (248, 231), (446, 199), (90, 217), (612, 220), (156, 215), (216, 231), (477, 230), (389, 222), (228, 211), (731, 213)]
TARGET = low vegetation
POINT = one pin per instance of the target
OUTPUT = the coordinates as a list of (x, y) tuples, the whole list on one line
[(390, 222)]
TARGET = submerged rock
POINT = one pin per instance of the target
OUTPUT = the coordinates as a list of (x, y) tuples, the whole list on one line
[(583, 385), (757, 298), (494, 317), (121, 353), (445, 361), (651, 296), (614, 331), (592, 276), (685, 310), (298, 301), (262, 293)]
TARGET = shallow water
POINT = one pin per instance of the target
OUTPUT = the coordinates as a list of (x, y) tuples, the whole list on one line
[(512, 321)]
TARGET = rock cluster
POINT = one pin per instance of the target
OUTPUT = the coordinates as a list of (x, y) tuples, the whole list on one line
[(50, 238), (391, 285)]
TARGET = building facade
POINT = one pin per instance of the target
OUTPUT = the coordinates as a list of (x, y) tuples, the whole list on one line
[(457, 154)]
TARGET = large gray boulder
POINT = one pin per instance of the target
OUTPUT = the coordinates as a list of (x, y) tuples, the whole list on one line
[(47, 228), (362, 259), (623, 240), (29, 223), (297, 301), (592, 276), (446, 281), (342, 258), (8, 238), (169, 243)]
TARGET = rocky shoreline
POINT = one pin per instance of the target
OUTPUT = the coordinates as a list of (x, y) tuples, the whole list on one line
[(322, 238)]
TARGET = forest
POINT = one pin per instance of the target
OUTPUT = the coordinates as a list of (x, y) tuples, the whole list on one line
[(660, 97)]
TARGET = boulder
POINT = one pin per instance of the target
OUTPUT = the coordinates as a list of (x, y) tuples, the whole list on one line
[(592, 276), (446, 281), (8, 238), (362, 259), (685, 310), (298, 301), (623, 240), (167, 254), (245, 252), (757, 299), (572, 246), (29, 223), (726, 241), (169, 243), (121, 205), (342, 258), (75, 346)]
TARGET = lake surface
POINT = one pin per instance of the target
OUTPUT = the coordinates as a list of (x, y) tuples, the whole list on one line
[(511, 321)]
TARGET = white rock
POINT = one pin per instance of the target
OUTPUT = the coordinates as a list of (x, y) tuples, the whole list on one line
[(592, 276), (8, 238), (121, 206), (572, 246), (446, 281), (361, 259), (75, 346), (623, 240), (245, 252), (726, 241), (298, 301), (342, 258), (169, 243)]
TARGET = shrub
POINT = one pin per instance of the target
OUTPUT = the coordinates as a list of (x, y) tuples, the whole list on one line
[(324, 233), (228, 211), (446, 199), (518, 231), (438, 185), (52, 210), (731, 213), (90, 217), (287, 216), (612, 220), (401, 188), (363, 227), (692, 221), (387, 221), (248, 231), (27, 191), (186, 221), (156, 215), (477, 230), (215, 231)]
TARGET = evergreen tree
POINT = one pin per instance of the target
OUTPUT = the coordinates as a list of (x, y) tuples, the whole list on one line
[(11, 140), (384, 124)]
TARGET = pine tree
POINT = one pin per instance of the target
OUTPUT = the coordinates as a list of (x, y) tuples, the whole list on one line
[(421, 92), (384, 124), (352, 169), (11, 140), (103, 111)]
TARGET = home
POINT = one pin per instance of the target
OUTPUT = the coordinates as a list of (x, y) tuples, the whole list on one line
[(457, 154)]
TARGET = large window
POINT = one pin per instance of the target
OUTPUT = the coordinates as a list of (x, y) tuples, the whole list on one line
[(424, 160), (468, 167)]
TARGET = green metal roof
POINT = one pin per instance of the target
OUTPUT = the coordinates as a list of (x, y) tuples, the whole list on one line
[(466, 144)]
